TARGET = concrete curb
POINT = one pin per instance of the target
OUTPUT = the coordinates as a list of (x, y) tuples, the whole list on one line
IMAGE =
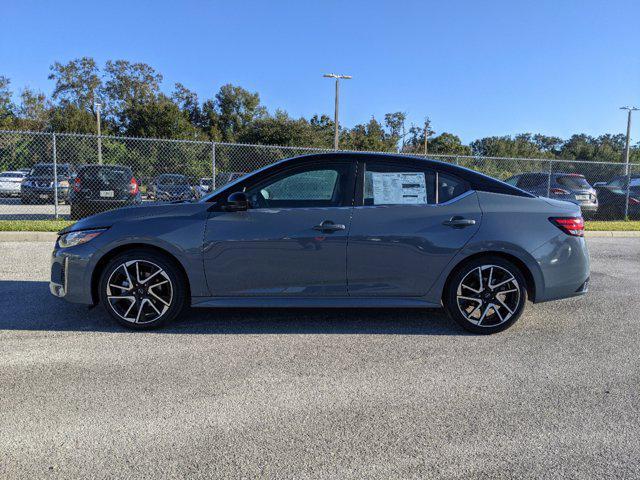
[(28, 237), (612, 234), (52, 236)]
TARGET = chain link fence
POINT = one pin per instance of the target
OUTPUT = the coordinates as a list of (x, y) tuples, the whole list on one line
[(54, 175)]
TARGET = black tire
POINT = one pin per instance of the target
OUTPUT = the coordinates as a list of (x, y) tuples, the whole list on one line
[(509, 299), (175, 303)]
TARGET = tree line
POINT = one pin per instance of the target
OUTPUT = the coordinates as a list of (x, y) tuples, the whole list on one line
[(133, 104)]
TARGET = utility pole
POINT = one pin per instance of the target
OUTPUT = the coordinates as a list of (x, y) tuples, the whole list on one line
[(627, 143), (98, 105), (337, 104), (427, 124)]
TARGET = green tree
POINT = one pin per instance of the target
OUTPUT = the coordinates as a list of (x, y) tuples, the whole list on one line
[(77, 82), (34, 111), (236, 108), (7, 108), (371, 136)]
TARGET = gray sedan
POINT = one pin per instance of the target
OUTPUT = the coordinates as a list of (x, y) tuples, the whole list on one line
[(332, 230)]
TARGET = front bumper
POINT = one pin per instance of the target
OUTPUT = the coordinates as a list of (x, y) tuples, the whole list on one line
[(70, 274)]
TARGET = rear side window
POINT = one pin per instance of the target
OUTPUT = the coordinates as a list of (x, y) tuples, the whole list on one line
[(574, 182), (388, 184)]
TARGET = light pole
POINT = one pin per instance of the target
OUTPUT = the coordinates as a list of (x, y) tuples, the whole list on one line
[(626, 146), (337, 77), (626, 158), (98, 105)]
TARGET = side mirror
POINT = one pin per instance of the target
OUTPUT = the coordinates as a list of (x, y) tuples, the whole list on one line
[(237, 202)]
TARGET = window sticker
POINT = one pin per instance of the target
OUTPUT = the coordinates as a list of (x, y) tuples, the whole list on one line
[(399, 188)]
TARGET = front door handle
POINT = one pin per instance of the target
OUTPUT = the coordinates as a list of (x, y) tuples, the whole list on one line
[(329, 226), (459, 222)]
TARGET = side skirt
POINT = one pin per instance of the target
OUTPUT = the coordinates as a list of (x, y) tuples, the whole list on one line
[(310, 302)]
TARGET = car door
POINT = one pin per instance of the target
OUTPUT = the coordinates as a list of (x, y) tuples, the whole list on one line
[(408, 223), (291, 241)]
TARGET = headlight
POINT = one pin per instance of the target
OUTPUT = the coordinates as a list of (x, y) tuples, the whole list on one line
[(63, 184), (72, 239)]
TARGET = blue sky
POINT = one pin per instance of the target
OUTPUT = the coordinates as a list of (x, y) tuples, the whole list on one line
[(477, 68)]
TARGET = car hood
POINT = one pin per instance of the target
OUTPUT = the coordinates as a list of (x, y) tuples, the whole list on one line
[(138, 212)]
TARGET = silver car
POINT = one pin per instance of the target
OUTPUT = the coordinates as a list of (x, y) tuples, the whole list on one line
[(10, 183), (332, 230)]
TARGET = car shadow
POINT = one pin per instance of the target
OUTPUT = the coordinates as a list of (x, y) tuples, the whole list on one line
[(28, 305)]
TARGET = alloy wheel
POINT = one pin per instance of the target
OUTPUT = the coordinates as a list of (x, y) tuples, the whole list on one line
[(488, 296), (139, 291)]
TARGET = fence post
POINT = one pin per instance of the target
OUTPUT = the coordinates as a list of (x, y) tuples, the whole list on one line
[(626, 200), (213, 166), (55, 176), (457, 160), (549, 178)]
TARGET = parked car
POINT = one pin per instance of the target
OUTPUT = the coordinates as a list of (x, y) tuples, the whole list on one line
[(203, 187), (571, 187), (613, 195), (331, 230), (38, 186), (97, 188), (170, 187), (10, 183)]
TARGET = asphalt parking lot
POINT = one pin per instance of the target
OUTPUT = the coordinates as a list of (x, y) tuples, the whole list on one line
[(321, 394)]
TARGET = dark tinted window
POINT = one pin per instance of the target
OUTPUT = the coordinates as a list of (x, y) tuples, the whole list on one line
[(450, 187), (11, 175), (106, 174), (574, 182)]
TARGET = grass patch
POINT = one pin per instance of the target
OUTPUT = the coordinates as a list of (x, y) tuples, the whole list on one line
[(33, 225), (603, 225)]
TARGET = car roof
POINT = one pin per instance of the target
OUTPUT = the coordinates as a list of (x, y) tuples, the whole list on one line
[(477, 180), (14, 171), (95, 166)]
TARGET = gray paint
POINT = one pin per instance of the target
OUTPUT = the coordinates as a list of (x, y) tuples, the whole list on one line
[(386, 256)]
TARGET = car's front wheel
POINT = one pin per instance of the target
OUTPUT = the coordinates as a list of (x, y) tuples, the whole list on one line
[(142, 289), (486, 295)]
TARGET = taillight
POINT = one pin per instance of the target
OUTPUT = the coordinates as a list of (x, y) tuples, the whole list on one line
[(77, 184), (634, 201), (559, 191), (569, 225), (133, 186)]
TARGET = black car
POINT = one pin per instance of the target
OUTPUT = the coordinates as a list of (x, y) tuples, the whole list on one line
[(98, 188), (170, 187), (39, 186), (613, 195)]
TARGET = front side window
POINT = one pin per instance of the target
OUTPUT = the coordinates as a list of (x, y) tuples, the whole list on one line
[(309, 187)]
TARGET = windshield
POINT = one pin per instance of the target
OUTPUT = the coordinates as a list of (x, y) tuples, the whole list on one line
[(47, 171), (206, 182), (574, 182), (172, 180)]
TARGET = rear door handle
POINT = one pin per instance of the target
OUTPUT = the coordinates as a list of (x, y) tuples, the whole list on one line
[(459, 222), (329, 226)]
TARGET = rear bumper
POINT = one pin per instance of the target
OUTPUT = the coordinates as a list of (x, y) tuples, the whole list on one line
[(43, 193), (565, 266)]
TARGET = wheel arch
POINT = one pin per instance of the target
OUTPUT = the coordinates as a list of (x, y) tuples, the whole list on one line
[(529, 277), (108, 256)]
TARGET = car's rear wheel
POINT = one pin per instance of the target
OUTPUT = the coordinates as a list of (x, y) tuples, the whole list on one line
[(142, 289), (486, 295)]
